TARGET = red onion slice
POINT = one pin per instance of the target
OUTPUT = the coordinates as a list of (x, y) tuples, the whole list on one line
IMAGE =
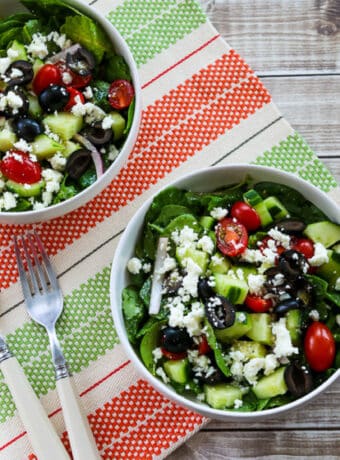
[(96, 156), (61, 56), (158, 276)]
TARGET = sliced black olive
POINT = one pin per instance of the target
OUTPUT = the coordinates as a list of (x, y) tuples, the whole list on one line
[(216, 377), (304, 291), (272, 272), (19, 73), (286, 305), (205, 291), (78, 162), (81, 61), (175, 340), (17, 109), (220, 312), (291, 226), (97, 135), (298, 379), (53, 98), (172, 282), (27, 129), (292, 263)]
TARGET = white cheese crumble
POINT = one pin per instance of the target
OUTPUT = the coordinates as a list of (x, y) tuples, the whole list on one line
[(107, 122), (9, 200), (169, 264), (238, 403), (314, 315), (11, 100), (134, 265), (37, 48), (255, 283), (283, 344), (88, 93), (337, 284), (282, 238), (206, 244), (67, 78), (184, 237), (90, 111), (218, 213), (320, 255), (5, 62), (22, 145), (58, 161), (157, 354), (161, 373), (52, 179), (337, 319)]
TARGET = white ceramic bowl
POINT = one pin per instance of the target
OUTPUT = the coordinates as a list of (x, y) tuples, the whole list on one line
[(201, 181), (8, 7)]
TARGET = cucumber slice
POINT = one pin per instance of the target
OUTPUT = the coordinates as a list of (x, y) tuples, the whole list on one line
[(118, 125), (221, 395), (65, 124), (250, 349), (245, 269), (251, 197), (34, 108), (207, 222), (275, 208), (70, 147), (242, 324), (233, 289), (200, 258), (45, 147), (7, 139), (18, 48), (330, 271), (25, 190), (271, 385), (264, 214), (37, 65), (294, 325), (324, 232), (261, 330), (219, 264), (177, 370)]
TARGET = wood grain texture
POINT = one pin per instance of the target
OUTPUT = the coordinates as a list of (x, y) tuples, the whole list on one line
[(294, 46)]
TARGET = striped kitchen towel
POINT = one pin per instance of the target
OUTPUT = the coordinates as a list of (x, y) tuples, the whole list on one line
[(202, 106)]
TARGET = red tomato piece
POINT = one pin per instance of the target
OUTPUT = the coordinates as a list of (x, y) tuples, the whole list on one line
[(203, 346), (246, 215), (258, 304), (265, 244), (232, 237), (174, 356), (48, 74), (74, 94), (319, 347), (18, 166), (120, 94), (305, 246), (79, 81)]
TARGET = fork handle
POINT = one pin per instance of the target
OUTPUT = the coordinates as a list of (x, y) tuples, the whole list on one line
[(44, 439), (81, 438)]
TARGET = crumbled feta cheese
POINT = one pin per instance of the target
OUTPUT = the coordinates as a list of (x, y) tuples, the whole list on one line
[(16, 73), (283, 344), (218, 213), (314, 315), (168, 265), (238, 403), (184, 237), (337, 284), (134, 265), (53, 179), (107, 122), (242, 317), (113, 152), (161, 373), (22, 145), (12, 100), (206, 244), (91, 111), (337, 319), (5, 62), (58, 161), (282, 238), (146, 268), (252, 368), (9, 200), (320, 255), (157, 354), (88, 93), (255, 283), (11, 53), (270, 363), (67, 78), (2, 185), (236, 370), (193, 320), (37, 48)]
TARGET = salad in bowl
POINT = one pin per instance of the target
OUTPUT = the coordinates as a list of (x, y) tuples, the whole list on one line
[(69, 107), (230, 299)]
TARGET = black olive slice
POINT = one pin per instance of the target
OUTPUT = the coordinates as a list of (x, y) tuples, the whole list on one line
[(97, 135), (19, 73), (53, 98), (27, 128), (220, 312), (286, 305), (205, 291), (175, 340), (216, 377), (78, 162), (82, 62), (291, 226), (298, 379), (292, 263), (172, 282)]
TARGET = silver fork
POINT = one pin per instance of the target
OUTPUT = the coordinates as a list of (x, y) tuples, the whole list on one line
[(44, 301)]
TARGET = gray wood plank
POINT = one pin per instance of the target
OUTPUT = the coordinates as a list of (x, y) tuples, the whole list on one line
[(280, 36)]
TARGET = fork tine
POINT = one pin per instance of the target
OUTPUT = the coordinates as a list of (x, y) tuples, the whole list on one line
[(51, 273), (38, 266), (23, 278), (30, 267)]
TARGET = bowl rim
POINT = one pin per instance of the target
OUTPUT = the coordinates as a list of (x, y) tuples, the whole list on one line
[(61, 209), (135, 225)]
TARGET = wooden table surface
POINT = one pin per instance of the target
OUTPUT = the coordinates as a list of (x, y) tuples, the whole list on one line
[(294, 46)]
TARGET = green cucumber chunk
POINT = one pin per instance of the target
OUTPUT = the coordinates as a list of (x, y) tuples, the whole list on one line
[(233, 289), (25, 190), (294, 325), (219, 264), (271, 385), (207, 222), (200, 258), (264, 214), (34, 108), (275, 208), (330, 271), (251, 197), (177, 370), (7, 139), (261, 330), (149, 342), (18, 48), (44, 147), (64, 124), (250, 349), (118, 125), (324, 232), (242, 324), (221, 395)]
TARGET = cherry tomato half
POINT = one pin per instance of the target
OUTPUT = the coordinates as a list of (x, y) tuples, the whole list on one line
[(74, 95), (258, 304), (18, 166), (319, 346), (246, 215), (120, 94), (79, 81), (305, 246), (48, 74), (232, 237), (173, 356), (203, 346)]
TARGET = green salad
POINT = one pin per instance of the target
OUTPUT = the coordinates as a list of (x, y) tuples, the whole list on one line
[(234, 295), (66, 104)]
